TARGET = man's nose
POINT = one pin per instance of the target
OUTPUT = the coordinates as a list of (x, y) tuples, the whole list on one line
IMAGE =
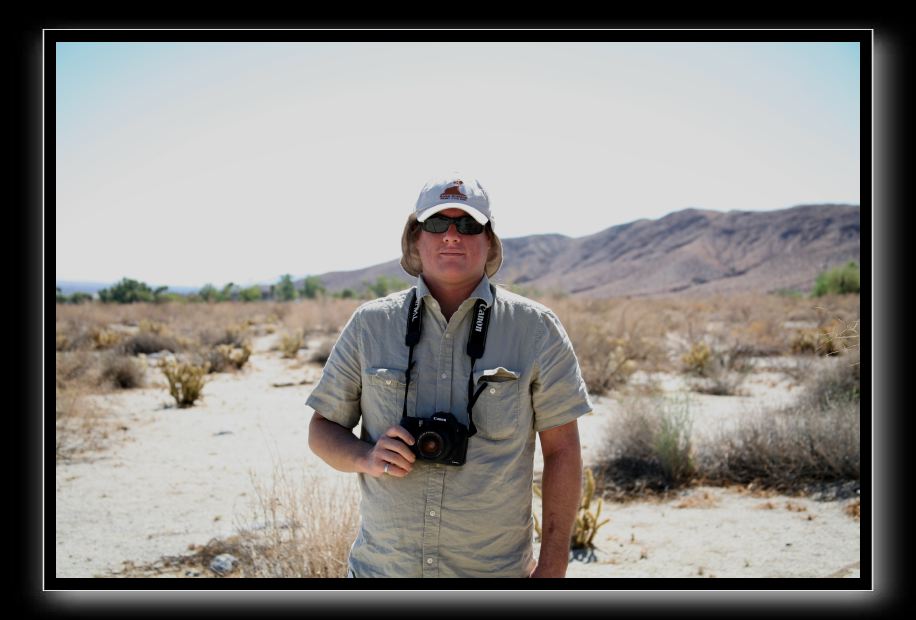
[(452, 233)]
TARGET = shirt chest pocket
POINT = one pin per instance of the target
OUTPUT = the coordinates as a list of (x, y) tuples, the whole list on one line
[(382, 400), (496, 411)]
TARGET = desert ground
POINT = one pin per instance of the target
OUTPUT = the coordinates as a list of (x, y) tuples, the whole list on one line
[(171, 479)]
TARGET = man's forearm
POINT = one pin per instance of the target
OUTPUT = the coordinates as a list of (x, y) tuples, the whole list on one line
[(560, 494), (336, 445)]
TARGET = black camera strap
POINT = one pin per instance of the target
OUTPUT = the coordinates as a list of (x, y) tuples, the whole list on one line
[(477, 340)]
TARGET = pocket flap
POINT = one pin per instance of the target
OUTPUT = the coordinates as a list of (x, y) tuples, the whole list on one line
[(495, 375), (386, 377)]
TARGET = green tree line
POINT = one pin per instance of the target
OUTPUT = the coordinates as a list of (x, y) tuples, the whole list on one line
[(129, 291)]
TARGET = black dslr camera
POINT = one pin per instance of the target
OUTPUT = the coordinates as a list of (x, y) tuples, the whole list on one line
[(440, 438)]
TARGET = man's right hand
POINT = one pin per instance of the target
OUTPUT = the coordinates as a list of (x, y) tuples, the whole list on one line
[(391, 448)]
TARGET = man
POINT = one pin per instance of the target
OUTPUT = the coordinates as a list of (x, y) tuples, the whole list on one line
[(506, 356)]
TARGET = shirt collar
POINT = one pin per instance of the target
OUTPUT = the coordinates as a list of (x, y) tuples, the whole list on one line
[(481, 291)]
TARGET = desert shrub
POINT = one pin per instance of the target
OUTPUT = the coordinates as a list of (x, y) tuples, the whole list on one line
[(80, 427), (717, 370), (728, 372), (291, 342), (838, 383), (148, 342), (299, 527), (105, 338), (814, 441), (234, 335), (73, 367), (605, 361), (186, 380), (295, 528), (697, 360), (804, 341), (224, 357), (839, 281), (154, 327), (122, 372), (63, 342), (649, 447)]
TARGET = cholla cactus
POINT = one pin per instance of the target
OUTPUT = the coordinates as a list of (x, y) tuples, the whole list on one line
[(186, 380)]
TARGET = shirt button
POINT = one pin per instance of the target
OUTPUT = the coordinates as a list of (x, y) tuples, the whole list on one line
[(448, 335), (432, 513), (444, 375), (429, 560), (492, 390)]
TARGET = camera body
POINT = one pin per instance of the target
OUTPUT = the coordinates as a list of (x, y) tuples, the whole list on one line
[(440, 438)]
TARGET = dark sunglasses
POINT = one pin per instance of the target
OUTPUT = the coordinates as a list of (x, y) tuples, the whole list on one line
[(466, 225)]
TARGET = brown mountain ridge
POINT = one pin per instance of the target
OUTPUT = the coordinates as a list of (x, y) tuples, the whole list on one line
[(691, 251)]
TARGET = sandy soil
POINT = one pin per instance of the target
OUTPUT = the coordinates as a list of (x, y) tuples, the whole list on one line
[(177, 477)]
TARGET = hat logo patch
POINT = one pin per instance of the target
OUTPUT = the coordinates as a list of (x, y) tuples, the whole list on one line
[(453, 192)]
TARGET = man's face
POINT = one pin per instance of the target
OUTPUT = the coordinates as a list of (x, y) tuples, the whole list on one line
[(453, 258)]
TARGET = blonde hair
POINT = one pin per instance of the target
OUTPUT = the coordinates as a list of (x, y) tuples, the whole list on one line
[(410, 256)]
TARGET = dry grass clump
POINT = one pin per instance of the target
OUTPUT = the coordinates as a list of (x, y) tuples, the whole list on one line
[(291, 342), (299, 527), (150, 342), (649, 449), (122, 372), (80, 427), (813, 442), (76, 367), (295, 528)]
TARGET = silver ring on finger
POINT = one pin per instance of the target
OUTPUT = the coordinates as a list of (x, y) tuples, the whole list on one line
[(386, 467)]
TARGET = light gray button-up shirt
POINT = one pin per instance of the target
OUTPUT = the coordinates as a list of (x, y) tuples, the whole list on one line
[(473, 520)]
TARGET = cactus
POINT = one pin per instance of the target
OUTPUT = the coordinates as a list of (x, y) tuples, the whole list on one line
[(587, 523), (186, 380)]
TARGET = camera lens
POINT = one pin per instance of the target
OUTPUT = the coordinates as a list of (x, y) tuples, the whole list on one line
[(430, 444)]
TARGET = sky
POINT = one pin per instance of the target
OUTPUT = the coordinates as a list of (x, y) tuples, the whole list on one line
[(185, 164)]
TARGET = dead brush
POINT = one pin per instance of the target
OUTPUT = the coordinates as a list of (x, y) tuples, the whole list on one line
[(291, 342), (649, 448), (718, 370), (814, 441), (105, 338), (80, 427), (122, 372), (186, 380), (154, 327), (298, 527), (604, 360), (804, 342)]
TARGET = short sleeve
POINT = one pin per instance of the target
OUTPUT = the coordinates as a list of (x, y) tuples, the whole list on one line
[(337, 395), (558, 390)]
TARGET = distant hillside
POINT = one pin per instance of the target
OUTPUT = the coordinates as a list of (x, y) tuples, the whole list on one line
[(691, 251)]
